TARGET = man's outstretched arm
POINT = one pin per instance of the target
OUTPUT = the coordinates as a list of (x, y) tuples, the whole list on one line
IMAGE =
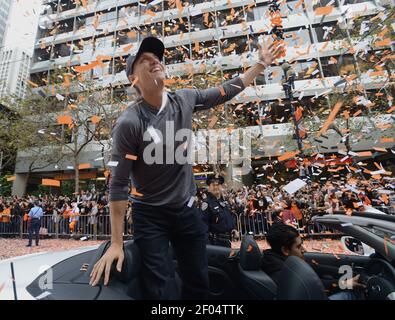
[(218, 95)]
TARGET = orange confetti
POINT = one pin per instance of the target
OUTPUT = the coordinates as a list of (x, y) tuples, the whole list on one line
[(150, 13), (298, 113), (383, 43), (386, 140), (168, 82), (323, 11), (357, 113), (135, 193), (179, 6), (376, 73), (351, 77), (12, 178), (95, 119), (131, 157), (392, 109), (87, 67), (83, 166), (364, 154), (384, 198), (131, 34), (222, 90), (127, 48), (32, 83), (330, 119), (50, 182), (287, 155), (64, 120)]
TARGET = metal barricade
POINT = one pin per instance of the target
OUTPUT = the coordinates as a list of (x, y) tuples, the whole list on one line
[(47, 225), (237, 222), (103, 225), (127, 227), (10, 226), (58, 226), (83, 226), (257, 224)]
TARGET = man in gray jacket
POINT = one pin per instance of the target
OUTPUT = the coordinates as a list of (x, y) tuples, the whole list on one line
[(163, 190)]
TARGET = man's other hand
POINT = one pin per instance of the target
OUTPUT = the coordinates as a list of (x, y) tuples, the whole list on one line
[(114, 252)]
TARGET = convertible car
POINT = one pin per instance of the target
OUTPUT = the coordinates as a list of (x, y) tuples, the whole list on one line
[(369, 237)]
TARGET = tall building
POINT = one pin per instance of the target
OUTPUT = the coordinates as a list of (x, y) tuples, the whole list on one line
[(14, 72), (328, 44), (5, 7)]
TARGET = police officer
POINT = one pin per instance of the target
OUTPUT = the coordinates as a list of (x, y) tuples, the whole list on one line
[(217, 215), (34, 224)]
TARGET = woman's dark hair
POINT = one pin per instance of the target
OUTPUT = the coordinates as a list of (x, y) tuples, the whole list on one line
[(281, 235)]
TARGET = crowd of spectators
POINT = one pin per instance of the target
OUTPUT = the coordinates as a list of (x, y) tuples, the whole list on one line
[(81, 213)]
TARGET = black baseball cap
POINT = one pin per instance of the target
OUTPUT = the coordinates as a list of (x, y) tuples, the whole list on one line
[(149, 44), (212, 179)]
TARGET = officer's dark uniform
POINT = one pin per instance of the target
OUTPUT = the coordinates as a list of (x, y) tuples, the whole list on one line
[(219, 219)]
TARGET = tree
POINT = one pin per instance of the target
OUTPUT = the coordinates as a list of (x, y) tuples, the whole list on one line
[(88, 116), (24, 131)]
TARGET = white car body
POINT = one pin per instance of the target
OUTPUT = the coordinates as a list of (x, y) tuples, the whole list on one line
[(29, 267)]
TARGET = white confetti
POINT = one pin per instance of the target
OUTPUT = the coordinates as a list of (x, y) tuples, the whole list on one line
[(112, 164), (294, 186), (191, 201), (59, 97)]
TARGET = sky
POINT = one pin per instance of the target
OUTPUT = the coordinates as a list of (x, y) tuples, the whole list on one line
[(22, 24)]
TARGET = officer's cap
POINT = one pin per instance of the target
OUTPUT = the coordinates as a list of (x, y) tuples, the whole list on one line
[(215, 178)]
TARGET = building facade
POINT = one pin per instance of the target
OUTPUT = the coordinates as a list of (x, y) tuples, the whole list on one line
[(329, 44), (5, 8), (14, 72)]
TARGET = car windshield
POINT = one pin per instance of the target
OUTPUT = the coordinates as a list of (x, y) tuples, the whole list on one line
[(382, 233)]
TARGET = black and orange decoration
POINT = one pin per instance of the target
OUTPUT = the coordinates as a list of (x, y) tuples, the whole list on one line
[(277, 31)]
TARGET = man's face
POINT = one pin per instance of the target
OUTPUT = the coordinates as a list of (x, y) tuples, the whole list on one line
[(215, 189), (297, 249), (149, 70)]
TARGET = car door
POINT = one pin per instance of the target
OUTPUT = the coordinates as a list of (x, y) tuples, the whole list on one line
[(328, 265), (356, 226)]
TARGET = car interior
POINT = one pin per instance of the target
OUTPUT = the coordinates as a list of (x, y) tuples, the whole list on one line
[(233, 274)]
